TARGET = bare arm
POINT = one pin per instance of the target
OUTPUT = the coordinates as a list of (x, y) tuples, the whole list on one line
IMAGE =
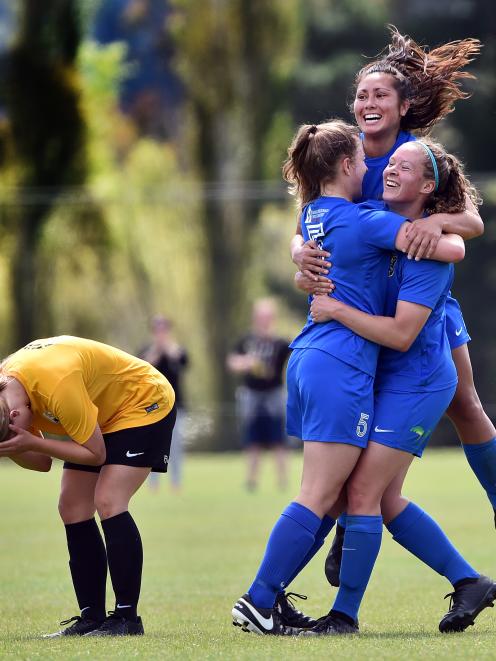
[(398, 332), (91, 453), (450, 247), (34, 461), (424, 233)]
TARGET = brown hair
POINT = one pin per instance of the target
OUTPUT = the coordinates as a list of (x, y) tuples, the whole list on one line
[(429, 79), (314, 154), (454, 185)]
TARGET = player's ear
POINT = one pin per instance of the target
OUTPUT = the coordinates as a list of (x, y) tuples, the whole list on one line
[(346, 165)]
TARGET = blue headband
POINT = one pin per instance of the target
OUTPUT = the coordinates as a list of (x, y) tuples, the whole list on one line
[(434, 164)]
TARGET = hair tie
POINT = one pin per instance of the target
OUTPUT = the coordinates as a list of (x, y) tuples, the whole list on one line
[(429, 153)]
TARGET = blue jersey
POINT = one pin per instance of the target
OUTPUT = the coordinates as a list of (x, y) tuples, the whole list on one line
[(372, 185), (358, 236), (427, 365)]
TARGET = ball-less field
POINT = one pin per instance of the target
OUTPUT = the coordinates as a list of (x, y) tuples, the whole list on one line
[(202, 547)]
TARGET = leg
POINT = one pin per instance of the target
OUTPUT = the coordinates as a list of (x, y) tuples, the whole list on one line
[(87, 555), (177, 453), (115, 488), (253, 456), (281, 458), (475, 429), (376, 468)]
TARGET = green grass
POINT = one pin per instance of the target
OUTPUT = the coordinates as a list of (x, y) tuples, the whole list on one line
[(202, 548)]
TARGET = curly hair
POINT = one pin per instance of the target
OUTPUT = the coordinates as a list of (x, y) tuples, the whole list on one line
[(454, 185), (429, 79), (314, 154)]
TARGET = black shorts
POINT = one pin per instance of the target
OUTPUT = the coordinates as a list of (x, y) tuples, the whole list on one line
[(141, 447)]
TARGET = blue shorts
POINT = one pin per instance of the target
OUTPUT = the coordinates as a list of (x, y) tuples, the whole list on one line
[(328, 400), (455, 325), (405, 421)]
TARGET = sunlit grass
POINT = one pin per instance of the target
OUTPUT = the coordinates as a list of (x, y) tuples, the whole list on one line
[(202, 548)]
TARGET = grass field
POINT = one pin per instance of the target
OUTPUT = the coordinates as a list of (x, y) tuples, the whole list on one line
[(202, 548)]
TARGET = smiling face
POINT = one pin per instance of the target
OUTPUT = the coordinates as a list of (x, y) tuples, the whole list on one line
[(378, 107), (404, 176)]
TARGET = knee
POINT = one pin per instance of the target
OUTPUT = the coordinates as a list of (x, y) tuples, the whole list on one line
[(73, 511), (107, 505), (361, 498), (319, 500), (465, 405)]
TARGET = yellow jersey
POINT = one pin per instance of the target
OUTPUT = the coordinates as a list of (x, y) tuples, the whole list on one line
[(74, 383)]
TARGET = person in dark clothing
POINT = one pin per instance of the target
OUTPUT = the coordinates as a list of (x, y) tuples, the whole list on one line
[(259, 358)]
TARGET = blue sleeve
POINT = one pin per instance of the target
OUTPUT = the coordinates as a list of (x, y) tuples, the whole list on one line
[(424, 282), (380, 228)]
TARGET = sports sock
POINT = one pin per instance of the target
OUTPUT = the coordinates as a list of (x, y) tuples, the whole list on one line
[(125, 561), (417, 532), (290, 540), (88, 565), (362, 541), (482, 460), (325, 528)]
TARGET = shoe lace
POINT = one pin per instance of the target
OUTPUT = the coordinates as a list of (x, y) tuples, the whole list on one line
[(453, 599), (289, 598), (110, 620), (75, 619)]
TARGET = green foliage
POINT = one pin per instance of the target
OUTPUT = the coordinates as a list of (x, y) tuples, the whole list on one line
[(202, 549)]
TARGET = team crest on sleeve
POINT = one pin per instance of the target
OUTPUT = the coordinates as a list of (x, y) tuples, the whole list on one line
[(50, 416)]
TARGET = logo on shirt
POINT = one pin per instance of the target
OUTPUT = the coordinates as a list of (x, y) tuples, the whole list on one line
[(459, 331), (392, 264), (152, 407), (166, 459), (50, 416)]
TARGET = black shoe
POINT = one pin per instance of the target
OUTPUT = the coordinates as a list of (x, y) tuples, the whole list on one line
[(81, 626), (331, 625), (264, 621), (115, 625), (466, 602), (333, 560), (290, 616)]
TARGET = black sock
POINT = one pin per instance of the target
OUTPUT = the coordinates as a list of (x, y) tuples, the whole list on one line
[(125, 561), (88, 565)]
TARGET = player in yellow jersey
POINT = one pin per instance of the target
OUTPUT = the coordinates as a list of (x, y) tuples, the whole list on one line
[(118, 413)]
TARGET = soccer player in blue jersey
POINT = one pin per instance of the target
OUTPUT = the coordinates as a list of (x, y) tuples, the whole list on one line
[(326, 166), (411, 89), (415, 381)]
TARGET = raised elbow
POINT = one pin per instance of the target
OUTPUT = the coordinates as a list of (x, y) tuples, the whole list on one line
[(402, 344), (45, 465), (478, 229), (459, 254)]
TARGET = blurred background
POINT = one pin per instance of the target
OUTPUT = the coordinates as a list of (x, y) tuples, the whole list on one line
[(141, 143)]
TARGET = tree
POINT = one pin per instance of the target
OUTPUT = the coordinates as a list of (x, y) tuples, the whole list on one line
[(48, 138), (234, 61)]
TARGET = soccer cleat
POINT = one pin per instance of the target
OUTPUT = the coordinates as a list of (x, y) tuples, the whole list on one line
[(333, 560), (331, 625), (81, 626), (264, 621), (291, 616), (115, 625), (466, 602)]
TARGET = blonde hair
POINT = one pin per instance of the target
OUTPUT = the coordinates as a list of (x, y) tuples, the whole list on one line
[(4, 420)]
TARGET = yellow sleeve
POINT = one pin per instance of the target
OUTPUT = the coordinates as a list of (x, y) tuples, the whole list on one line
[(72, 405)]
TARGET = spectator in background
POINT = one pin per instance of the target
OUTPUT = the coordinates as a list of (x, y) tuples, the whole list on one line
[(259, 358), (170, 359)]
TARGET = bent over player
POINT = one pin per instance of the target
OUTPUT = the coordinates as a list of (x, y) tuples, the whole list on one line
[(118, 412)]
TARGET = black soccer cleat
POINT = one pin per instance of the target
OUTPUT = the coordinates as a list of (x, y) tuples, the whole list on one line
[(291, 616), (115, 625), (333, 560), (263, 621), (466, 602), (331, 625), (81, 627)]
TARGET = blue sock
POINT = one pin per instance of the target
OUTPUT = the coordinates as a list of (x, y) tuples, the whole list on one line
[(482, 460), (342, 520), (326, 526), (290, 540), (418, 533), (362, 542)]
